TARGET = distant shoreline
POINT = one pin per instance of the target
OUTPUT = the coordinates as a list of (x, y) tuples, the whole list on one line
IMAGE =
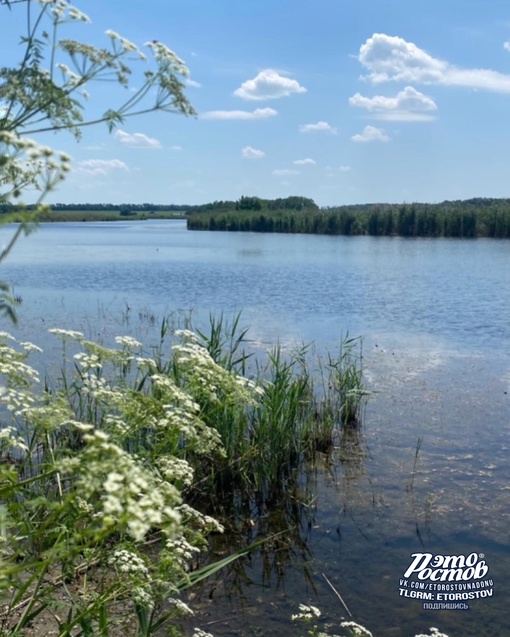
[(59, 216)]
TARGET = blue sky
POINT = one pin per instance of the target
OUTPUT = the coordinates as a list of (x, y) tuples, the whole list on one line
[(343, 101)]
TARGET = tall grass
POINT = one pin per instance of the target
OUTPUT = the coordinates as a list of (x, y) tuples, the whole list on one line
[(303, 402)]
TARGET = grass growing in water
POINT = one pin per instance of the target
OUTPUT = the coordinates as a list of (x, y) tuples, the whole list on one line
[(99, 462), (302, 404)]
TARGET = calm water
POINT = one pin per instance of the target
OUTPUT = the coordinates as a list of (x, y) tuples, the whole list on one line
[(434, 315)]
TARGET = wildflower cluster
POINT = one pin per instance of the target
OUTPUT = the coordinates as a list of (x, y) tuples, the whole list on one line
[(27, 164), (306, 612), (208, 380), (106, 460)]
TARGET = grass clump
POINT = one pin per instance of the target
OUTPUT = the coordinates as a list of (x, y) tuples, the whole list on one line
[(299, 403)]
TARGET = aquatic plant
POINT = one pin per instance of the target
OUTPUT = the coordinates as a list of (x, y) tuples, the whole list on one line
[(296, 403)]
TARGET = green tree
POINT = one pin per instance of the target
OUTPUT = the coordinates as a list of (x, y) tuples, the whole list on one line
[(46, 91)]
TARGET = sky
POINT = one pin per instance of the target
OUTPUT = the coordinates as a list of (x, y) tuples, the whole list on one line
[(342, 101)]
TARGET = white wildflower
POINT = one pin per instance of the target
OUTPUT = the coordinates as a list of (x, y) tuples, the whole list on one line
[(143, 597), (306, 613), (182, 551), (127, 45), (198, 632), (356, 629), (81, 426), (112, 34), (128, 562), (187, 335), (88, 361), (175, 469), (180, 606), (76, 14), (128, 341), (204, 522), (145, 362), (10, 438), (64, 334)]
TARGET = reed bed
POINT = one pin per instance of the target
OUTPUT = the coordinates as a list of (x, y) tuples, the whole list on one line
[(464, 219), (302, 403)]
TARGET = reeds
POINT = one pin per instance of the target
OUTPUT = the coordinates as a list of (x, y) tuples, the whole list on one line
[(302, 403)]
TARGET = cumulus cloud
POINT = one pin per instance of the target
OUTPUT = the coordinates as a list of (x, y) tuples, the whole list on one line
[(283, 172), (304, 162), (319, 127), (252, 153), (268, 85), (393, 59), (136, 140), (506, 46), (100, 166), (258, 113), (371, 134), (407, 106)]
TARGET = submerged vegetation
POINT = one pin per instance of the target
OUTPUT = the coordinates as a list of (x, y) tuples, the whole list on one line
[(467, 219), (105, 469)]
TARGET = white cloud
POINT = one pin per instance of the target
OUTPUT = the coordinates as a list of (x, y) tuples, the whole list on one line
[(393, 59), (304, 162), (101, 166), (252, 153), (191, 83), (284, 172), (506, 46), (136, 140), (268, 85), (258, 113), (407, 106), (175, 147), (344, 169), (319, 127), (371, 134)]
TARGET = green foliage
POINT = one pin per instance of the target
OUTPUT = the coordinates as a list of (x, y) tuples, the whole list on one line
[(466, 219), (91, 468), (300, 404), (98, 463)]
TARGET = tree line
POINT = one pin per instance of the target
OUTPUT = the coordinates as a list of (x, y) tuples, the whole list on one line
[(105, 207), (468, 218)]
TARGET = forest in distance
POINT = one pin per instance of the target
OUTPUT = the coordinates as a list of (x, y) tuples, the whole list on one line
[(470, 218)]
